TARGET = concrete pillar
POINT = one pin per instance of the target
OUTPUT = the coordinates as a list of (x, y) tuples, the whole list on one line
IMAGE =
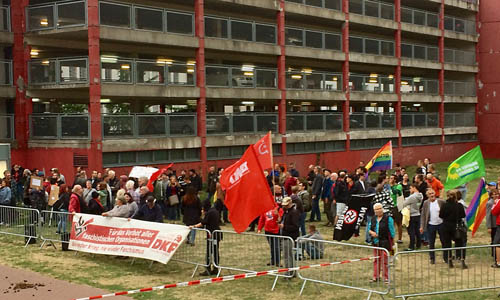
[(95, 153), (397, 72), (441, 72), (199, 10), (345, 73), (280, 20)]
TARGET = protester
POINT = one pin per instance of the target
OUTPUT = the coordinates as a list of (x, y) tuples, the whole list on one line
[(451, 212), (191, 210), (195, 180), (495, 211), (292, 170), (104, 196), (289, 227), (414, 202), (212, 178), (300, 207), (172, 197), (76, 203), (435, 184), (95, 207), (87, 191), (461, 253), (132, 205), (405, 184), (151, 212), (383, 197), (326, 195), (120, 210), (382, 231), (430, 221), (5, 200), (269, 221), (341, 195), (490, 218), (396, 191), (210, 221), (316, 187), (315, 250), (129, 187)]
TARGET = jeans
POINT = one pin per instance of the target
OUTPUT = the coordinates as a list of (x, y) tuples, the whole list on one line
[(315, 210), (431, 234), (302, 223), (414, 232), (313, 250), (274, 245), (61, 224), (192, 236)]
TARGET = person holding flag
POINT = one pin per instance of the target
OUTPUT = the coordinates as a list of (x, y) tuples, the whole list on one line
[(382, 160)]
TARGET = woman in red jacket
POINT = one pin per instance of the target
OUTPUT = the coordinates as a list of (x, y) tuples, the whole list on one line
[(270, 221)]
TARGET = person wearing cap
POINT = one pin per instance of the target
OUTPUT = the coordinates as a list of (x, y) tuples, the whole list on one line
[(491, 186), (289, 227), (150, 212)]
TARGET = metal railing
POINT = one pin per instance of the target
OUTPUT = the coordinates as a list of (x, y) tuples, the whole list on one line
[(460, 25), (418, 85), (467, 119), (312, 80), (241, 77), (230, 124), (5, 15), (372, 9), (330, 4), (238, 29), (156, 72), (419, 52), (7, 127), (19, 221), (6, 72), (419, 120), (371, 46), (372, 121), (152, 125), (59, 126), (54, 227), (419, 17), (139, 17), (56, 15), (314, 121), (371, 83), (302, 37), (460, 88), (454, 56), (68, 70)]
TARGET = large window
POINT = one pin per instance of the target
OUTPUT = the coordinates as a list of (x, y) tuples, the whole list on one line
[(113, 159), (242, 30)]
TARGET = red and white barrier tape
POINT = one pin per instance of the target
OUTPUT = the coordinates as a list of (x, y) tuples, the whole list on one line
[(225, 278)]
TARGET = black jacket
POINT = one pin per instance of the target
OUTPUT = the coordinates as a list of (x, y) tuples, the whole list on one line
[(317, 186), (298, 203), (196, 182), (94, 208), (63, 202), (150, 214), (451, 213), (191, 212), (358, 188), (384, 236), (341, 192), (291, 219), (211, 220), (211, 182)]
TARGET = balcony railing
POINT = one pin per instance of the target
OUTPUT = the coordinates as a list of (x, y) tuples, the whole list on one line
[(419, 17), (460, 119), (5, 15), (372, 9), (242, 30), (56, 15), (145, 18), (241, 123), (58, 71), (313, 39), (5, 72), (148, 125), (59, 126), (305, 80), (241, 77), (417, 85), (321, 121), (454, 56), (419, 52), (330, 4), (416, 119), (7, 127), (368, 120), (460, 25), (371, 83), (371, 46), (460, 88)]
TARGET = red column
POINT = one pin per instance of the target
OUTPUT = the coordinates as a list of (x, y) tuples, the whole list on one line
[(282, 77), (441, 72), (397, 73), (345, 73), (21, 55), (95, 156), (199, 10)]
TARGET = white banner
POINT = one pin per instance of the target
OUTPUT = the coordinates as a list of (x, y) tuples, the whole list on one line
[(138, 172), (119, 236)]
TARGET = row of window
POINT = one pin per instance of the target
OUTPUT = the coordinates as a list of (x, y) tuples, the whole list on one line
[(214, 153), (460, 138), (150, 157)]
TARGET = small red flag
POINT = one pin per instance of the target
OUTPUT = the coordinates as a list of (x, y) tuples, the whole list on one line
[(264, 151), (155, 176), (247, 192)]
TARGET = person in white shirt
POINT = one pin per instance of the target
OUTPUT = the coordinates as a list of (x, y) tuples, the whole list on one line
[(430, 221)]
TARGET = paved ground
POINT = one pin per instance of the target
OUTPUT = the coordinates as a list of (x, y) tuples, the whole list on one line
[(16, 284)]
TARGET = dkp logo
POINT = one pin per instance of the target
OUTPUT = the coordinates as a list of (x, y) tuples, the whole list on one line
[(350, 216), (240, 171)]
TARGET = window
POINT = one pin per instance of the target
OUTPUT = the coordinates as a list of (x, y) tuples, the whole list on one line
[(314, 39), (406, 51), (315, 147), (180, 23), (114, 14), (294, 37), (460, 138), (111, 159), (333, 41), (421, 140), (356, 7), (387, 48), (148, 19), (215, 27), (406, 15), (241, 31), (419, 52), (356, 44), (265, 33), (371, 46), (372, 143)]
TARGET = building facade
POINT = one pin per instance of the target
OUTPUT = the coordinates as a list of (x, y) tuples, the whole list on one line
[(101, 84)]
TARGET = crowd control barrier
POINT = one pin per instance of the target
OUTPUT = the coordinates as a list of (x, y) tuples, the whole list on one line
[(356, 271), (415, 275), (250, 252), (21, 222), (195, 253), (55, 227)]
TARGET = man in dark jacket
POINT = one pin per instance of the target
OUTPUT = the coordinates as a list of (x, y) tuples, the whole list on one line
[(289, 227), (360, 186), (341, 195), (195, 180), (211, 222), (150, 212), (317, 187), (211, 182)]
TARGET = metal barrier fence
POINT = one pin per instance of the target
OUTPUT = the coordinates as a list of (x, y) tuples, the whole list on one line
[(415, 275), (196, 250), (54, 227), (314, 121), (455, 56), (19, 221), (249, 252), (460, 25), (370, 263)]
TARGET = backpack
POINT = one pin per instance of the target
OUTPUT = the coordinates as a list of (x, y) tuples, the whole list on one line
[(306, 200)]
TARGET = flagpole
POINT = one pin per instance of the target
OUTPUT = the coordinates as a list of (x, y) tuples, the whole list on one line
[(272, 162)]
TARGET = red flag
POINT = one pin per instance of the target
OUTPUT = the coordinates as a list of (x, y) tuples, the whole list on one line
[(155, 176), (247, 192), (264, 151)]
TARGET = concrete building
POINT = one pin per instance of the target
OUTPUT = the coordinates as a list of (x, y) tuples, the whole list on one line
[(101, 84)]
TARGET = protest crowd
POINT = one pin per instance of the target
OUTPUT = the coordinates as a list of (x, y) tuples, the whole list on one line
[(397, 200)]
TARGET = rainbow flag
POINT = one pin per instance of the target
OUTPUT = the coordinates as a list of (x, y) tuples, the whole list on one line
[(477, 208), (382, 159)]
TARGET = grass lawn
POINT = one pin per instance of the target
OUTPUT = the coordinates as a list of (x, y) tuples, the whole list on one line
[(412, 271)]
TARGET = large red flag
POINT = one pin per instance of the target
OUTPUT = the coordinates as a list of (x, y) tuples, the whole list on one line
[(247, 193), (264, 151), (155, 176)]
